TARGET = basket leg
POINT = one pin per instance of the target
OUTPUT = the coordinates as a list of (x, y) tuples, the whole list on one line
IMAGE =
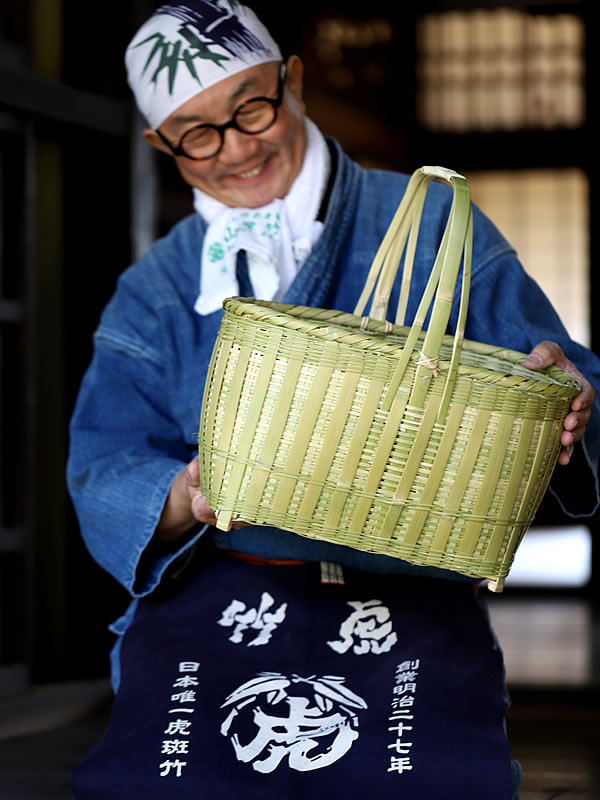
[(223, 520)]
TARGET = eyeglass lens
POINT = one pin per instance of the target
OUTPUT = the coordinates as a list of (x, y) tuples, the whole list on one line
[(255, 116)]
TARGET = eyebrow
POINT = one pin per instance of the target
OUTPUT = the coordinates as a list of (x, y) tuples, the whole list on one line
[(239, 92)]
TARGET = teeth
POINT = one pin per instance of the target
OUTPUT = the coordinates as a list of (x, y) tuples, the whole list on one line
[(251, 173)]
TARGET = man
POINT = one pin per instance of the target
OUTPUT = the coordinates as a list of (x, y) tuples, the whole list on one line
[(257, 660)]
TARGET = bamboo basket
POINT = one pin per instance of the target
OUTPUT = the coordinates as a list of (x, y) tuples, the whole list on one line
[(389, 439)]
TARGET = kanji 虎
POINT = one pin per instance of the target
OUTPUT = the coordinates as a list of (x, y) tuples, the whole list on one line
[(178, 726)]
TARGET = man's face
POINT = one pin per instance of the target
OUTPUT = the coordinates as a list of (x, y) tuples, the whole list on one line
[(249, 170)]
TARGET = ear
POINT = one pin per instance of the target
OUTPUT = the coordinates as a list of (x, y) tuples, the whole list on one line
[(295, 78), (154, 139)]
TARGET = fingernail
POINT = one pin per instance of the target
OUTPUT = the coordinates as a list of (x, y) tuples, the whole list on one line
[(532, 361)]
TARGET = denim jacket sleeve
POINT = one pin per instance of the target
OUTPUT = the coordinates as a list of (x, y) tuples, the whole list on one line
[(126, 443)]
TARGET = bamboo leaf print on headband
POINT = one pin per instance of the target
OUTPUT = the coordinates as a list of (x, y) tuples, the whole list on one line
[(208, 24)]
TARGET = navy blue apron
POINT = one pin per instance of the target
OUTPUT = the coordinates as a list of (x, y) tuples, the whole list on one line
[(304, 682)]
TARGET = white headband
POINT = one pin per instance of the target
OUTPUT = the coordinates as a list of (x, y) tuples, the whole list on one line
[(187, 47)]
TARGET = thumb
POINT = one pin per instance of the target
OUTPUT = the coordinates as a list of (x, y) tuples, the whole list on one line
[(544, 354), (193, 472)]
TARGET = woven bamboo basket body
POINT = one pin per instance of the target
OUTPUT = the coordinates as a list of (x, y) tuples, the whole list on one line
[(385, 438)]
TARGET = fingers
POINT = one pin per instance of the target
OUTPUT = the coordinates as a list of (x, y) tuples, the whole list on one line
[(548, 354), (564, 457), (585, 398), (204, 513), (198, 503), (544, 354), (200, 508), (573, 430), (193, 472), (575, 424)]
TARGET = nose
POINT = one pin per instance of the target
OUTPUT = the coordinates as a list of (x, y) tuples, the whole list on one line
[(237, 147)]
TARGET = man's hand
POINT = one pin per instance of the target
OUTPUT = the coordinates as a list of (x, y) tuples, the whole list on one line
[(549, 354), (199, 507), (186, 505)]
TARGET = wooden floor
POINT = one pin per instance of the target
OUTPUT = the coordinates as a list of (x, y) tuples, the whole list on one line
[(558, 745), (551, 651)]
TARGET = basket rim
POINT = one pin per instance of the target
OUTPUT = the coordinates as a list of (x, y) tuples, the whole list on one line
[(374, 336)]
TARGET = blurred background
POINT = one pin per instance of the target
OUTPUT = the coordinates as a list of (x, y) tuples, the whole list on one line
[(503, 94)]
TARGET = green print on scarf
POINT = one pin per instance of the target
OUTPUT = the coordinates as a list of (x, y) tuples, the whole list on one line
[(216, 252), (255, 222)]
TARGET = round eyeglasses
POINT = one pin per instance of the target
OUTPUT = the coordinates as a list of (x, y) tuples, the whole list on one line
[(254, 116)]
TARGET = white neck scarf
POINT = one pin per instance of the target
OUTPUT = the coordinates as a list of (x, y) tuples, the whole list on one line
[(277, 238)]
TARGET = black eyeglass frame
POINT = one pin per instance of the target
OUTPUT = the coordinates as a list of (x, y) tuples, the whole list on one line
[(276, 102)]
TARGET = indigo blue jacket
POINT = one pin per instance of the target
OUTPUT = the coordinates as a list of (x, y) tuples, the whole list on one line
[(136, 419)]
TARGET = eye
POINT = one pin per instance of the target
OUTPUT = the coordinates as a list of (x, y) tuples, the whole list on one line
[(253, 109), (198, 135)]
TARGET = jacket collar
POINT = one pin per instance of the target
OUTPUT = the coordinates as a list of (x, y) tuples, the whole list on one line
[(313, 283)]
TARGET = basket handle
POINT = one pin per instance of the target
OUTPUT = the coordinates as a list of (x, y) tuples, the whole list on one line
[(456, 246)]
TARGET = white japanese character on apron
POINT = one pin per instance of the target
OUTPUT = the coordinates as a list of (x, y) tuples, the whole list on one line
[(309, 721)]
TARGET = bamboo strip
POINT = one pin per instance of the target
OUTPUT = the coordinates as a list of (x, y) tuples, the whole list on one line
[(233, 395), (440, 314), (355, 450), (273, 435), (529, 495), (303, 434), (396, 223), (436, 474), (461, 322), (489, 482), (421, 440), (409, 260), (261, 386), (329, 445), (461, 479), (212, 388), (514, 484), (380, 457)]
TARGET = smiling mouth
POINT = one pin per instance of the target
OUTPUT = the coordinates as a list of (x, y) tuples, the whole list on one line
[(251, 173)]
